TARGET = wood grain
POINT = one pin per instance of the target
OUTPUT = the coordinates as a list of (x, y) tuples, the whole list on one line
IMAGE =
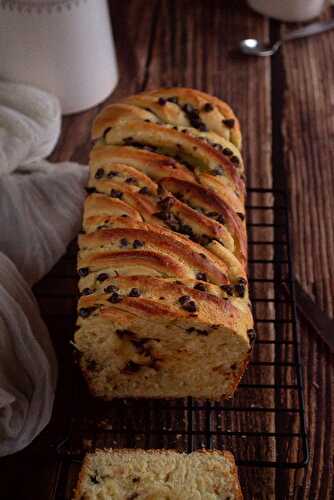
[(192, 43), (308, 149)]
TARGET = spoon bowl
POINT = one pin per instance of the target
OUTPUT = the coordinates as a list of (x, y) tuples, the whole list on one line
[(253, 47)]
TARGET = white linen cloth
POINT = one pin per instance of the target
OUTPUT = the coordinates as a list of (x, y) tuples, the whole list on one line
[(40, 212)]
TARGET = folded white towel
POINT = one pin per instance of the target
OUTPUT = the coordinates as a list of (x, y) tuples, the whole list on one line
[(29, 125), (40, 212)]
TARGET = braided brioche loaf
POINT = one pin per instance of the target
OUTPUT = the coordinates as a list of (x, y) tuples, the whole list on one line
[(164, 309), (158, 475)]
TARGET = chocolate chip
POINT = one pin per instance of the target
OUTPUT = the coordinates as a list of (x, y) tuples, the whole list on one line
[(241, 215), (161, 298), (102, 277), (151, 148), (138, 244), (167, 203), (83, 271), (99, 173), (162, 101), (177, 282), (251, 335), (173, 99), (131, 367), (229, 122), (187, 304), (234, 366), (217, 146), (94, 479), (123, 242), (140, 347), (144, 190), (239, 290), (134, 292), (221, 219), (111, 289), (91, 365), (213, 214), (86, 291), (114, 298), (235, 160), (200, 286), (133, 496), (112, 174), (201, 126), (207, 107), (203, 255), (188, 108), (131, 180), (227, 152), (190, 330), (116, 194), (205, 333), (106, 131), (204, 239), (186, 229), (228, 289), (128, 140), (217, 171), (201, 276), (90, 190), (136, 479), (125, 333), (84, 312)]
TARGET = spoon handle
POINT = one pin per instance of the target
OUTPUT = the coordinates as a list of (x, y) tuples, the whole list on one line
[(309, 30)]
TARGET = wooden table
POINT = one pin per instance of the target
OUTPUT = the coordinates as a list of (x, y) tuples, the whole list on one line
[(286, 109)]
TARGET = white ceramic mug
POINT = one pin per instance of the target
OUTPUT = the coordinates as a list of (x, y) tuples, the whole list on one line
[(289, 10), (63, 46)]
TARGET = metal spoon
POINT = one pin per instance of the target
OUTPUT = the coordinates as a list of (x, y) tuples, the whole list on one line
[(253, 47)]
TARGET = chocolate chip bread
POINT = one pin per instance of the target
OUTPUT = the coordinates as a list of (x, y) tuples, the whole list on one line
[(158, 475), (164, 309)]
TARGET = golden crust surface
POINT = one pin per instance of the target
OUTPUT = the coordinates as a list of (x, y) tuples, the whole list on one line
[(163, 256)]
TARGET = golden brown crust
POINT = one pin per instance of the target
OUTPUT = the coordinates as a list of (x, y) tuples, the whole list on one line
[(213, 206), (164, 250), (170, 112), (163, 243), (188, 148), (210, 308), (154, 165)]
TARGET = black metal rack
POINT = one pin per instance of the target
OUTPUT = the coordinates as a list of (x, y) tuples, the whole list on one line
[(264, 423)]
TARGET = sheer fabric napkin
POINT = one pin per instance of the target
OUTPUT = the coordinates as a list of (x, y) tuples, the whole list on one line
[(40, 212)]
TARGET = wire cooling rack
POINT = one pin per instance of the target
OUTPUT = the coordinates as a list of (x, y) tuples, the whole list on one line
[(263, 424)]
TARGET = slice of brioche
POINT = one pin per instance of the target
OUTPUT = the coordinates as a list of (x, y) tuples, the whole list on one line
[(158, 475), (144, 336)]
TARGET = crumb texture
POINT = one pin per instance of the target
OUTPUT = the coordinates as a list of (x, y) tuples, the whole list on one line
[(158, 475)]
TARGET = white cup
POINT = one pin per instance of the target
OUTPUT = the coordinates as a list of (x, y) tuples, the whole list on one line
[(63, 46), (289, 10)]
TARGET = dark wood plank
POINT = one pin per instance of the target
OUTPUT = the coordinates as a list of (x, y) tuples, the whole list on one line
[(307, 130)]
